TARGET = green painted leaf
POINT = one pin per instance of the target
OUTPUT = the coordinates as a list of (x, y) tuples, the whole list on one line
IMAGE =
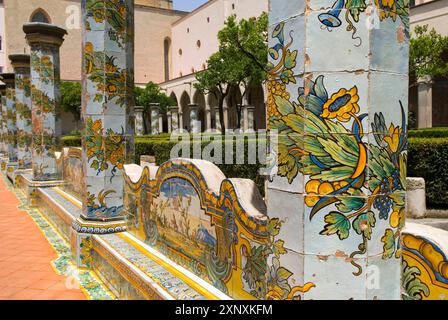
[(364, 224), (290, 59), (279, 248), (338, 224), (283, 274), (349, 204), (274, 227), (389, 244), (284, 106)]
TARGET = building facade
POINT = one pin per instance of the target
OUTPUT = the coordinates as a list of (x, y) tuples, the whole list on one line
[(172, 46), (153, 20), (194, 40), (428, 101)]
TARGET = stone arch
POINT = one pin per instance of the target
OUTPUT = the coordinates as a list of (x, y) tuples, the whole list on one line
[(184, 108), (167, 57), (40, 15), (199, 99), (174, 98)]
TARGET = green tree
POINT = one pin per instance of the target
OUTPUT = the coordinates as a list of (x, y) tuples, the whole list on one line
[(428, 53), (71, 98), (151, 93), (241, 60)]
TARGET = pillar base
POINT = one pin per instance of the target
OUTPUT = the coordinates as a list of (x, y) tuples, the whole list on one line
[(11, 168), (3, 163), (24, 181), (82, 225)]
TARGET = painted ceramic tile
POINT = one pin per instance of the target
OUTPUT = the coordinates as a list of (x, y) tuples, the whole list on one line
[(388, 102), (284, 10), (389, 44), (286, 54), (381, 279), (289, 208), (424, 275), (333, 278), (321, 30)]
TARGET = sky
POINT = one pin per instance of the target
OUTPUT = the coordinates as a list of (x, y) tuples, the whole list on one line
[(187, 5)]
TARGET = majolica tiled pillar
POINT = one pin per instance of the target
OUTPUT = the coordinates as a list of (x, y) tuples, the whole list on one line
[(249, 118), (155, 117), (107, 109), (21, 65), (174, 118), (11, 118), (4, 123), (139, 127), (3, 145), (44, 41), (217, 119), (195, 123), (337, 194)]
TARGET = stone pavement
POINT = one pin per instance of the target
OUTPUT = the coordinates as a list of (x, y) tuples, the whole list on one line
[(26, 272)]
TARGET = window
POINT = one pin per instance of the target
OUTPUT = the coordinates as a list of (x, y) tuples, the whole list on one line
[(233, 6), (1, 43), (198, 43), (40, 16), (188, 30), (208, 19), (167, 55), (180, 52)]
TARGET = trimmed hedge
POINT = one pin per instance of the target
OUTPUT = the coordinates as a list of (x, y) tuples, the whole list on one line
[(161, 147), (428, 158), (429, 133)]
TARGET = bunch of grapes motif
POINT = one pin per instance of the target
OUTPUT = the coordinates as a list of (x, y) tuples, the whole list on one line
[(388, 185)]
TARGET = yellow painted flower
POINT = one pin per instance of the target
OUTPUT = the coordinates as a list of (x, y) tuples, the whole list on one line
[(342, 105), (387, 8), (97, 126), (393, 139), (111, 68), (98, 15), (111, 89)]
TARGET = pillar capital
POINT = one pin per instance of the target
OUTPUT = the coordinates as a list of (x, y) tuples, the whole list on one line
[(19, 60), (174, 108), (139, 109), (43, 33), (154, 106), (8, 79)]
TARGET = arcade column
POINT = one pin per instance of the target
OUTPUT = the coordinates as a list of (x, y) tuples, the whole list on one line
[(337, 114), (107, 113), (45, 40), (21, 65)]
